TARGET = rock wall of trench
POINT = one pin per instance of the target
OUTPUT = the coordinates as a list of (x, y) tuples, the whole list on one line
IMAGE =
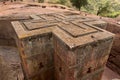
[(114, 58)]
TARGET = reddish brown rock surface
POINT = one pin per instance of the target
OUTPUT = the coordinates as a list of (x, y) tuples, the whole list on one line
[(64, 43), (12, 12), (19, 11)]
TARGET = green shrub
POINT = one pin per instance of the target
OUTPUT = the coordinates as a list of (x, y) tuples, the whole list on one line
[(40, 1), (112, 15), (103, 7), (79, 3), (63, 2)]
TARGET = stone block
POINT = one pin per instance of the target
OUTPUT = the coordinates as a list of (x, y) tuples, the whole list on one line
[(74, 50), (82, 60)]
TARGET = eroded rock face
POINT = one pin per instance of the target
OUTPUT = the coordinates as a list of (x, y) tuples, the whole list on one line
[(62, 46), (10, 67), (7, 33), (114, 59)]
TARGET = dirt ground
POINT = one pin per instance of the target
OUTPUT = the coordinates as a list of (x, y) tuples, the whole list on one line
[(26, 9), (110, 75)]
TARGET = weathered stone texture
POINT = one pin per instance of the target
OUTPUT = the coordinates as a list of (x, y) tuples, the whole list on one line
[(39, 55), (7, 31), (83, 63), (63, 46), (114, 59), (10, 67), (68, 16)]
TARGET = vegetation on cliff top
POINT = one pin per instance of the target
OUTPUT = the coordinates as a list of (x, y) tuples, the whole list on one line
[(107, 8)]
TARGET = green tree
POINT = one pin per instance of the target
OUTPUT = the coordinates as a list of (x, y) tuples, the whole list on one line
[(106, 8), (79, 3), (40, 1), (62, 2)]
